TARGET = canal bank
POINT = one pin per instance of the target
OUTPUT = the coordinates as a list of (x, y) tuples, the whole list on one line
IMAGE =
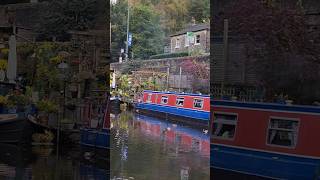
[(150, 148)]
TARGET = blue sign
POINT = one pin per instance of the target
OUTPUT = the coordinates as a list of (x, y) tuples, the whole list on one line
[(130, 39)]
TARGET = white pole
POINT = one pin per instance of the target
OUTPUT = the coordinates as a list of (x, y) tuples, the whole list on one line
[(127, 43), (180, 78), (12, 60)]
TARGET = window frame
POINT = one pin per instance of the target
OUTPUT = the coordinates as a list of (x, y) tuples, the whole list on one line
[(186, 41), (196, 38), (161, 102), (194, 99), (178, 43), (235, 129), (281, 129), (149, 100), (181, 97)]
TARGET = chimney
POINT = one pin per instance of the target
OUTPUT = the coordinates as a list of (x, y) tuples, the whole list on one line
[(193, 21)]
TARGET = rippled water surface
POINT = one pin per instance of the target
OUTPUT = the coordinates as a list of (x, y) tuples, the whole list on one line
[(145, 148), (42, 163)]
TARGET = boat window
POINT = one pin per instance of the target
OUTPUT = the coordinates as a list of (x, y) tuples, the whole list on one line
[(164, 100), (180, 101), (198, 103), (149, 98), (195, 144), (283, 132), (224, 125)]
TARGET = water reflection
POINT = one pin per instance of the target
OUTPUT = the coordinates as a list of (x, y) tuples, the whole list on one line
[(42, 163), (149, 148)]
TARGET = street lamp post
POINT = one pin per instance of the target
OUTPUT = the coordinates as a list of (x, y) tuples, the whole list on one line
[(63, 66), (127, 43)]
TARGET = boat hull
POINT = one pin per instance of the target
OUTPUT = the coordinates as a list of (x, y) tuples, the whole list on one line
[(185, 116), (263, 164), (92, 138), (15, 131)]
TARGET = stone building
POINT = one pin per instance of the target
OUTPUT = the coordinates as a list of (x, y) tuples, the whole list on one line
[(195, 36)]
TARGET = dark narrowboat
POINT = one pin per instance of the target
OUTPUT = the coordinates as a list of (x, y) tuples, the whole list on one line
[(97, 136), (14, 129)]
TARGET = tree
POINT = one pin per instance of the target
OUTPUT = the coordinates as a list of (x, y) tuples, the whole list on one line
[(144, 26), (200, 10), (60, 16), (279, 47), (147, 33), (118, 28)]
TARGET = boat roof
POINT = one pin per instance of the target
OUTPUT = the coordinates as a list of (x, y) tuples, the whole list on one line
[(168, 92), (267, 106)]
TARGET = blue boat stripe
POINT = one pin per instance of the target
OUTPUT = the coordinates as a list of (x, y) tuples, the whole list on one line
[(242, 172), (265, 151), (263, 163), (267, 107)]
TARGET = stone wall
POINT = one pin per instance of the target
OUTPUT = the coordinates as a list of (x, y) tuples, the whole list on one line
[(162, 65)]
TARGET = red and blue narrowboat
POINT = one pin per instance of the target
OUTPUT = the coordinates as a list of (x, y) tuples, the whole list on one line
[(188, 108), (97, 135), (265, 139)]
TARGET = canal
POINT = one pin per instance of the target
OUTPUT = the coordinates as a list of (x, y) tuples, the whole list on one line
[(43, 163), (145, 148)]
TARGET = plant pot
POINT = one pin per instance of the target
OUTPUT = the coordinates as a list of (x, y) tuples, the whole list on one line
[(12, 110), (289, 102), (43, 119)]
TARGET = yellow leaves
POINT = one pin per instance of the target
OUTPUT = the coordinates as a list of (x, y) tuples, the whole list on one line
[(3, 100), (56, 60), (3, 64), (4, 51)]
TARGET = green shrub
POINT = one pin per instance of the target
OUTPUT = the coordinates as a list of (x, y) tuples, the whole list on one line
[(169, 55), (47, 106)]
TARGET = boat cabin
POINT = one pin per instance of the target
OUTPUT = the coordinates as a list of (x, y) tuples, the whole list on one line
[(179, 100), (269, 136)]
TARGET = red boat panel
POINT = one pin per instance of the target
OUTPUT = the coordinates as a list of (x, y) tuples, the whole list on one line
[(188, 100), (252, 125)]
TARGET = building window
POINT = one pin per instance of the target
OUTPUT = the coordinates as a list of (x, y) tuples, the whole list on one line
[(283, 132), (180, 101), (177, 43), (198, 103), (197, 39), (149, 98), (224, 125), (164, 100), (186, 41)]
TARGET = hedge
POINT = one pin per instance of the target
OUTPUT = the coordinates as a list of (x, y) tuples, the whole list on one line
[(169, 55)]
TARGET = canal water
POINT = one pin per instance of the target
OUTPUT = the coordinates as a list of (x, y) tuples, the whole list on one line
[(145, 148), (43, 163)]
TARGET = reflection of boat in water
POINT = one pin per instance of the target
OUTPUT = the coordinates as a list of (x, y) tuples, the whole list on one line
[(266, 140), (188, 140), (14, 161), (89, 171), (14, 129), (96, 135), (15, 155), (192, 109)]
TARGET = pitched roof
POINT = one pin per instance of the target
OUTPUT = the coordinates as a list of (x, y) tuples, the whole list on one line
[(192, 28)]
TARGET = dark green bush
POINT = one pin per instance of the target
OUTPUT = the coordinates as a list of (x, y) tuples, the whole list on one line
[(169, 55)]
